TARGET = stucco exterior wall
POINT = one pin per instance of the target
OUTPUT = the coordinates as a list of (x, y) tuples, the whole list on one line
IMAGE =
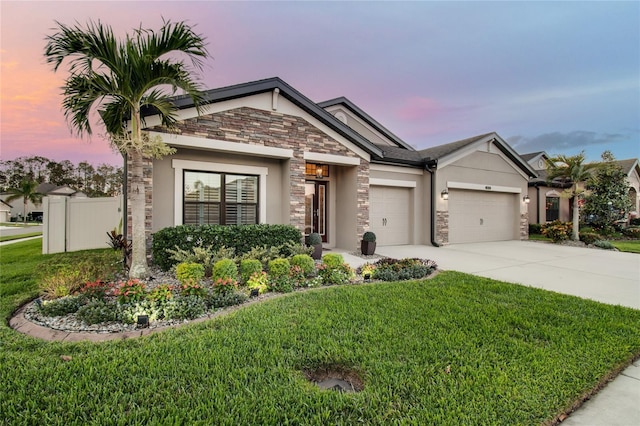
[(420, 206)]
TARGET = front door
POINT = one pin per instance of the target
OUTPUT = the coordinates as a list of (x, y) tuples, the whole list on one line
[(315, 219)]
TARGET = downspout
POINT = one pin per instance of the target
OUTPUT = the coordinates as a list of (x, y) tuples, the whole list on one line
[(538, 203), (431, 166)]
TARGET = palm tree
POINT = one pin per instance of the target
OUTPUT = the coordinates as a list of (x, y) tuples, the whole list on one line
[(28, 192), (119, 78), (570, 170)]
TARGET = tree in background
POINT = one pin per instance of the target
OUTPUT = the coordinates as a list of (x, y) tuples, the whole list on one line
[(608, 198), (119, 78), (27, 191), (570, 170), (103, 180)]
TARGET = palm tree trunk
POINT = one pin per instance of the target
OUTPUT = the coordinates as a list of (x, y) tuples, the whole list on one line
[(24, 211), (139, 267)]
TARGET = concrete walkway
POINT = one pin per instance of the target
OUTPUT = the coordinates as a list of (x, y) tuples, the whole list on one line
[(601, 275)]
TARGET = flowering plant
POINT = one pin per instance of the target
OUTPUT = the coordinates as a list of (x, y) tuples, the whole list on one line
[(130, 291), (95, 289), (224, 285), (162, 293), (192, 288)]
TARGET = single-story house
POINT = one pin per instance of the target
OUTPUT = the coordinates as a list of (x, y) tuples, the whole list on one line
[(5, 212), (546, 201), (262, 152)]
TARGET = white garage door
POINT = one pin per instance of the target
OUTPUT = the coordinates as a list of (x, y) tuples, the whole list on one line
[(389, 214), (478, 216)]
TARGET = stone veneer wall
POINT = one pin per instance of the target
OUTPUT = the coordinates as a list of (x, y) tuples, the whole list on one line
[(524, 226), (442, 227), (274, 129)]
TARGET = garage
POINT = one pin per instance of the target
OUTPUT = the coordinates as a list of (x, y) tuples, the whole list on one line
[(389, 216), (481, 216)]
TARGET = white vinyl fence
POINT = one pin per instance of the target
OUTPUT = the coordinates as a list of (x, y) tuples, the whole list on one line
[(72, 224)]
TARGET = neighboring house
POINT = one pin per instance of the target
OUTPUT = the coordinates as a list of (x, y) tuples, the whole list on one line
[(262, 152), (35, 209), (632, 169), (546, 201), (5, 212)]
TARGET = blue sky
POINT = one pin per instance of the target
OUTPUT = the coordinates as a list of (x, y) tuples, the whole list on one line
[(556, 76)]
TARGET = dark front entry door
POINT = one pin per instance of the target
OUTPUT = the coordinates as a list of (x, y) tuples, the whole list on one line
[(316, 208)]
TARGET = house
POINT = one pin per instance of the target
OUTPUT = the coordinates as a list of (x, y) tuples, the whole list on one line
[(546, 201), (262, 152), (5, 212), (35, 209)]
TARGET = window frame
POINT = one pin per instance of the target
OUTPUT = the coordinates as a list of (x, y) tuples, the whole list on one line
[(204, 166), (223, 203)]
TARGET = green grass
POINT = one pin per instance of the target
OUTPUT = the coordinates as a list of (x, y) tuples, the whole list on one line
[(17, 237), (517, 355), (630, 246)]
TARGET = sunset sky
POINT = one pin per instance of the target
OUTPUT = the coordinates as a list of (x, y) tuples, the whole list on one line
[(556, 76)]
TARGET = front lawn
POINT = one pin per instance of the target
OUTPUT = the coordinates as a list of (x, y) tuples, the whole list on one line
[(630, 246), (456, 349), (18, 237)]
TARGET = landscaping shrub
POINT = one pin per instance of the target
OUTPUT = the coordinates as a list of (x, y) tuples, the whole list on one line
[(290, 249), (589, 237), (263, 254), (258, 280), (189, 273), (193, 288), (369, 237), (248, 267), (332, 259), (229, 299), (129, 312), (557, 230), (631, 232), (62, 306), (333, 270), (98, 311), (96, 289), (224, 285), (306, 263), (535, 229), (604, 245), (281, 284), (130, 291), (388, 269), (161, 294), (185, 307), (279, 268), (205, 256), (242, 238), (61, 283), (225, 268)]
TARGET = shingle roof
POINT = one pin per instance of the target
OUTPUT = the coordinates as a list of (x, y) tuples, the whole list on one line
[(366, 117), (401, 155), (627, 165), (440, 151), (260, 86), (531, 155)]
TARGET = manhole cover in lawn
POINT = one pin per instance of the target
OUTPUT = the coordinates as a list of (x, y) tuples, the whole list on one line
[(336, 378)]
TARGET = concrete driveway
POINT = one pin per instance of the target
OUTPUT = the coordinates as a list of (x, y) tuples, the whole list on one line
[(601, 275)]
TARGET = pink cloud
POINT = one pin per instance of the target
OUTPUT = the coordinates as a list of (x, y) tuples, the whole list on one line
[(419, 108)]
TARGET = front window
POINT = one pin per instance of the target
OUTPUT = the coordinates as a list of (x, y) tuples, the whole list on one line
[(553, 208), (220, 198)]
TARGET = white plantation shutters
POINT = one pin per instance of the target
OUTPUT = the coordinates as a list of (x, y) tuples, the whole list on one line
[(220, 198)]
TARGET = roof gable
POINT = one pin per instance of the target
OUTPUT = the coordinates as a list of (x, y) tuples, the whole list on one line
[(280, 87), (447, 153), (366, 118)]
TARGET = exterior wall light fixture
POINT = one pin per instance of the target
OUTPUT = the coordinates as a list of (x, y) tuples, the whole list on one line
[(526, 199), (444, 194)]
